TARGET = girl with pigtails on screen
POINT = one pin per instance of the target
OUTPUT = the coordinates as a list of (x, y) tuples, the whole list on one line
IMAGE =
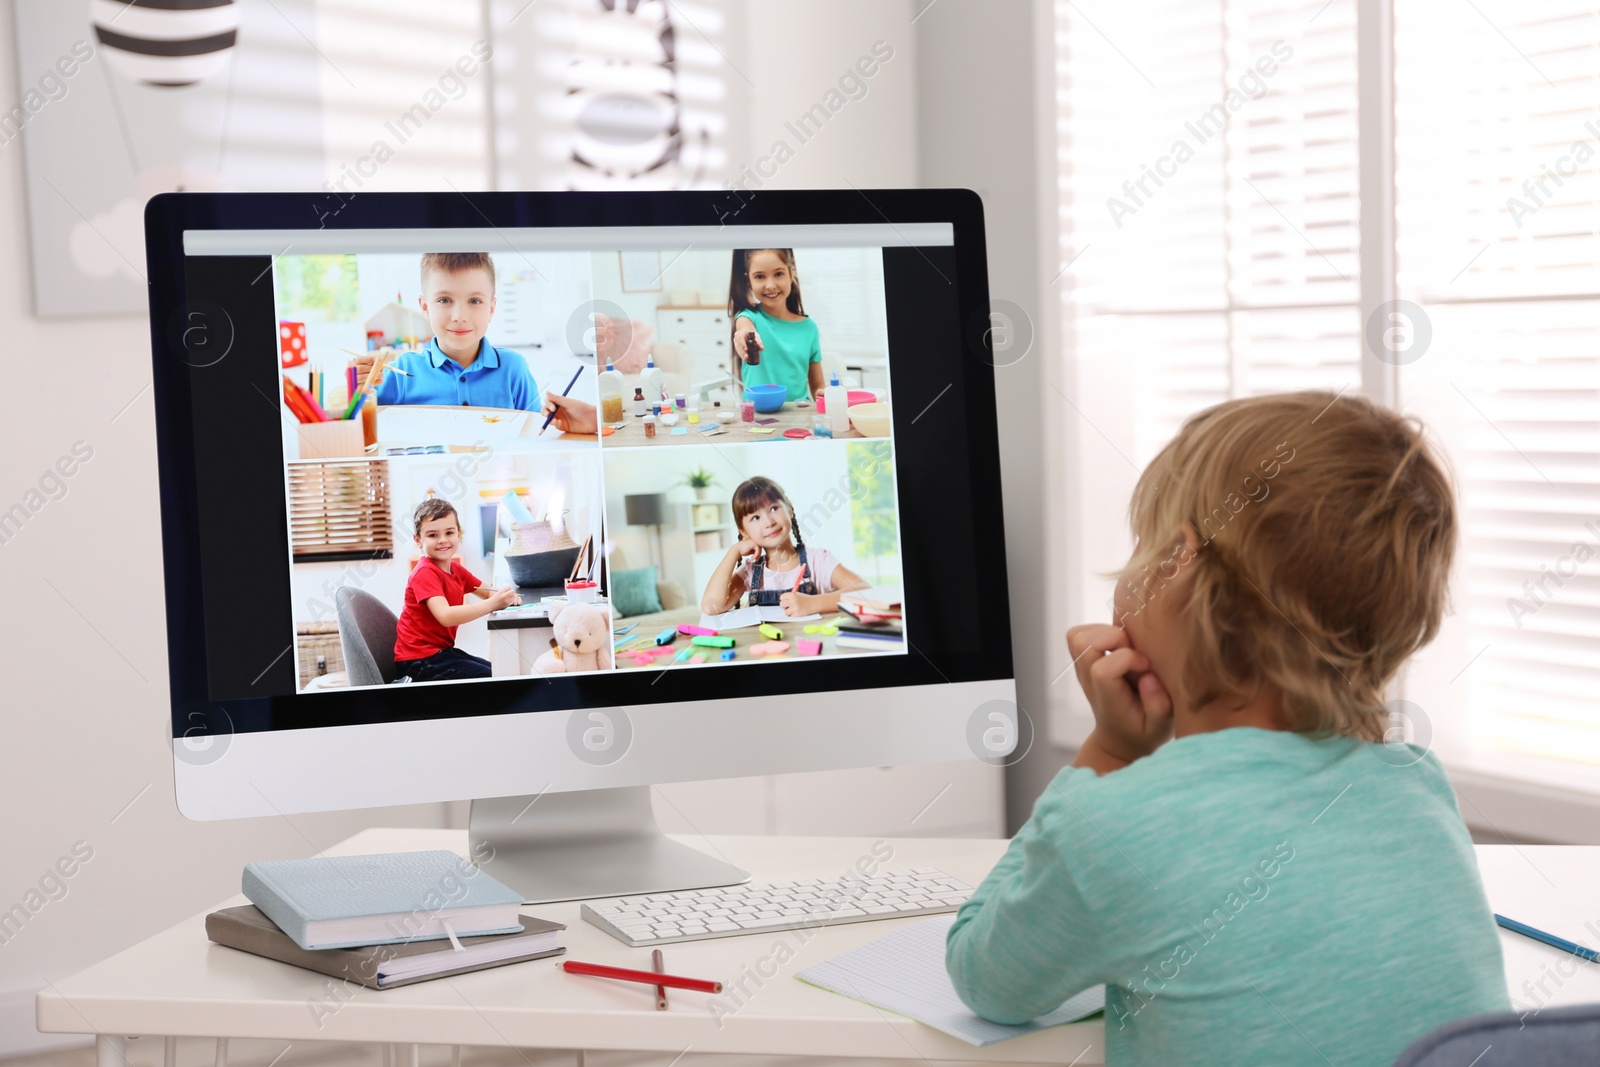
[(771, 562)]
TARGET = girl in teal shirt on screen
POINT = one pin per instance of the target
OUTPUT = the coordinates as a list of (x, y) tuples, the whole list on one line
[(768, 316), (1246, 852)]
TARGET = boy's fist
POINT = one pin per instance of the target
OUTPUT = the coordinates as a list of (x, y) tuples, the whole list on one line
[(1132, 709), (504, 597)]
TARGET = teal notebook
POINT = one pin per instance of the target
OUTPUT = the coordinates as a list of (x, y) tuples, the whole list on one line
[(387, 899)]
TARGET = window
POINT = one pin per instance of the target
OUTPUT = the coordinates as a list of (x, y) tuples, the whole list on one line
[(1498, 243), (1222, 258), (340, 511)]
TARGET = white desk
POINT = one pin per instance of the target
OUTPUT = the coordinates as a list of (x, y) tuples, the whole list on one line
[(179, 984)]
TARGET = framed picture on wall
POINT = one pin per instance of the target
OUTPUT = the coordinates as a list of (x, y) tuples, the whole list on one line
[(641, 271)]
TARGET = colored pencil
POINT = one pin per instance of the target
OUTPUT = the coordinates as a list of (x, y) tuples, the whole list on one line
[(658, 964), (1549, 939), (564, 392), (624, 974), (356, 401)]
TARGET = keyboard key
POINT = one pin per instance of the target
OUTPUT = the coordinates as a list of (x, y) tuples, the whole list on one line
[(762, 924), (721, 927), (878, 909)]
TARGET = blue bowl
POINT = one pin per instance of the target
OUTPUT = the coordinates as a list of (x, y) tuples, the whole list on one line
[(768, 398)]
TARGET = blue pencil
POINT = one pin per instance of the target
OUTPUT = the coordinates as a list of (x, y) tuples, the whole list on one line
[(564, 392), (1550, 939)]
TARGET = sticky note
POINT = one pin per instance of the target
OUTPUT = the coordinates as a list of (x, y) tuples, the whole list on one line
[(727, 655), (680, 431), (712, 642), (770, 632), (770, 648), (809, 648), (761, 429), (765, 422)]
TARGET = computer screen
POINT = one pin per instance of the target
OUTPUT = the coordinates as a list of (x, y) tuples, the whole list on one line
[(443, 459)]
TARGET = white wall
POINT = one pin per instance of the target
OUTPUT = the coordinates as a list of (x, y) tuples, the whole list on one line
[(981, 127), (87, 749)]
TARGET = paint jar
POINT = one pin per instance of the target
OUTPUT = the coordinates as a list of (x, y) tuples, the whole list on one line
[(582, 591), (820, 427), (680, 401), (722, 416), (747, 410), (649, 426)]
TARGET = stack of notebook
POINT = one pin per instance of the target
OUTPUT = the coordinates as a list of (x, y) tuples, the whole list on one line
[(877, 616), (382, 921)]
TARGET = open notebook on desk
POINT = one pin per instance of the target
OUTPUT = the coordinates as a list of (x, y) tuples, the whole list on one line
[(739, 618), (904, 973)]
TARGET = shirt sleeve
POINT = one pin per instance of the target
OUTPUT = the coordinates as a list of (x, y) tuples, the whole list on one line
[(1025, 940), (469, 581), (822, 567), (816, 344), (389, 389), (426, 582)]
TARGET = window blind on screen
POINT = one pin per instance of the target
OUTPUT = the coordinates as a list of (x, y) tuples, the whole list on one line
[(1498, 219), (340, 511)]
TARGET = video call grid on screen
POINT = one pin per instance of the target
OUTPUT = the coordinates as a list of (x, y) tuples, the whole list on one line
[(228, 616), (352, 499)]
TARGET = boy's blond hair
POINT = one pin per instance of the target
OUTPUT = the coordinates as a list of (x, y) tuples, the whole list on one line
[(1327, 528), (451, 262)]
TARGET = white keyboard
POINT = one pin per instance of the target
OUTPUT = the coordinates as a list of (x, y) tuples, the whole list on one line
[(728, 911)]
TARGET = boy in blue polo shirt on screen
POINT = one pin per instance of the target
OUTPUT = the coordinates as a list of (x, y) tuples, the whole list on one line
[(459, 366)]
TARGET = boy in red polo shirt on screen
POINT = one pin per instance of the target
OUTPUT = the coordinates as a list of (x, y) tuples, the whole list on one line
[(436, 594)]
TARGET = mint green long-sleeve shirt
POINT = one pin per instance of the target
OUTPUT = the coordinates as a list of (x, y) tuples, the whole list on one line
[(1248, 897)]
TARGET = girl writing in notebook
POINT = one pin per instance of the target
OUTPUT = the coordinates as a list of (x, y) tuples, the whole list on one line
[(1246, 852), (771, 563)]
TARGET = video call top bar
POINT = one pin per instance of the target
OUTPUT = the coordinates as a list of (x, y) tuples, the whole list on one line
[(567, 238)]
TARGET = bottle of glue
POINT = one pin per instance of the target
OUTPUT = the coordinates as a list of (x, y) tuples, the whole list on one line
[(836, 401), (650, 379)]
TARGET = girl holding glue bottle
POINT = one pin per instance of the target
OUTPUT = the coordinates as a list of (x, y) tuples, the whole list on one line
[(774, 341), (771, 561)]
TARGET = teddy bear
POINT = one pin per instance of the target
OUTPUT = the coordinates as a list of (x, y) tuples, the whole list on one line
[(582, 640)]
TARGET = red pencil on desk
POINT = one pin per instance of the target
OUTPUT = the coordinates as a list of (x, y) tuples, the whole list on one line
[(647, 977)]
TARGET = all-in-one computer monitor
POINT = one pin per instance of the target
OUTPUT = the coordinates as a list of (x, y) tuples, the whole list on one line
[(391, 579)]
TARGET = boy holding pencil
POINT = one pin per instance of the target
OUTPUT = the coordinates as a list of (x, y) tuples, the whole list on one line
[(459, 366)]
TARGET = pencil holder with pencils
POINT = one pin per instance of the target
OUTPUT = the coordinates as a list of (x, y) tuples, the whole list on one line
[(338, 439)]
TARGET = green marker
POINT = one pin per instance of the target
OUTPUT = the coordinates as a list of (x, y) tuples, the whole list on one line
[(713, 642)]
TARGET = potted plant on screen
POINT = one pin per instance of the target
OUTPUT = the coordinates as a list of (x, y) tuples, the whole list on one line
[(700, 480)]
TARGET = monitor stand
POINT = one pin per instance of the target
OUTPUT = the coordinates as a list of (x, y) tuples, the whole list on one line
[(587, 843)]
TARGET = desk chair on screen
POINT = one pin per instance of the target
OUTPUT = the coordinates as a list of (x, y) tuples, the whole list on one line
[(366, 634)]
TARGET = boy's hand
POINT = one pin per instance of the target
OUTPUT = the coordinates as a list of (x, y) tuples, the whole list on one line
[(364, 367), (504, 597), (1132, 709), (571, 414)]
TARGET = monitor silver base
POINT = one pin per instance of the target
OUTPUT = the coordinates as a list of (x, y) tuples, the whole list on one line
[(585, 844)]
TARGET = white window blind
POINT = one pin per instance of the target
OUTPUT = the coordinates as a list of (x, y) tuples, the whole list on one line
[(1498, 221), (1208, 191)]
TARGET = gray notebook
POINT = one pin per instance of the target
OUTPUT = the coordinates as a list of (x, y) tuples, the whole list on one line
[(904, 973)]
